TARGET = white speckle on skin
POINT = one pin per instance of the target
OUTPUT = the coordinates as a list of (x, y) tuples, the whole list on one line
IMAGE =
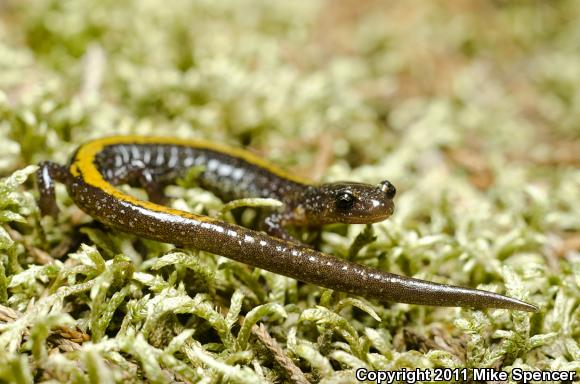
[(212, 165), (224, 170), (237, 174), (173, 157), (159, 159), (135, 152), (146, 156)]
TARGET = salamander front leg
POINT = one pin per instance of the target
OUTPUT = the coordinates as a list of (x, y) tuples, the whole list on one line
[(273, 225), (47, 173)]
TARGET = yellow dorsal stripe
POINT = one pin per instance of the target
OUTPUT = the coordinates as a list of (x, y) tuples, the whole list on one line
[(83, 165)]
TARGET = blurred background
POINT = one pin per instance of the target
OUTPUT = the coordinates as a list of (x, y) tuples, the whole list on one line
[(360, 80)]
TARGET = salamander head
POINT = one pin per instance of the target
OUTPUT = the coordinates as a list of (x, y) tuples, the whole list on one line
[(351, 203)]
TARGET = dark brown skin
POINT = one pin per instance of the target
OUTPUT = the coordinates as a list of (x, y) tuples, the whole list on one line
[(152, 163)]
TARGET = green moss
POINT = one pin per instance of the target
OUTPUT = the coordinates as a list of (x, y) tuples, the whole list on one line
[(470, 108)]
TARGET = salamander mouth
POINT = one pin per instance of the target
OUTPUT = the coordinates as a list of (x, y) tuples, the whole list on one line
[(370, 216), (365, 220)]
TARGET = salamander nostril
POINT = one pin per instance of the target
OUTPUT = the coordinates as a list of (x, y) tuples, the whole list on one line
[(388, 188)]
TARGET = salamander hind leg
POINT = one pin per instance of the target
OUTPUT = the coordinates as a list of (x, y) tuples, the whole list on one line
[(139, 175), (47, 173), (154, 188)]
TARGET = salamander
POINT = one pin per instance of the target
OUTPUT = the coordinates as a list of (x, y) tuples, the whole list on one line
[(99, 166)]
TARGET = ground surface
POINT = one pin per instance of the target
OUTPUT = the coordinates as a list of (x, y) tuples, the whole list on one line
[(471, 108)]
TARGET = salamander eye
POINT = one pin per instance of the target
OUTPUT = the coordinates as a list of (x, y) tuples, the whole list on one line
[(345, 200), (388, 188)]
